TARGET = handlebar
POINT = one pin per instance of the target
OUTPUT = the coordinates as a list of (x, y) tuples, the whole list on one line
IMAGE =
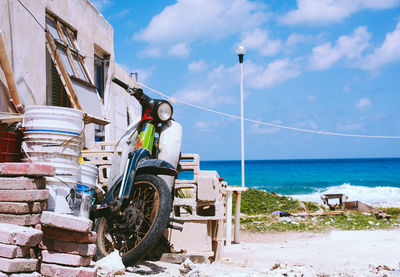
[(120, 83), (135, 92)]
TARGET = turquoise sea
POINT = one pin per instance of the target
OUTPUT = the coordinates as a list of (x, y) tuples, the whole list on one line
[(375, 181)]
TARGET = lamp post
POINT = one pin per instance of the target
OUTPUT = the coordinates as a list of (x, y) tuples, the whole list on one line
[(240, 51)]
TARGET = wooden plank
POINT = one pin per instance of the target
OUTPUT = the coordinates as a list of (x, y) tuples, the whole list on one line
[(87, 118), (5, 64), (11, 118), (62, 72), (75, 44), (69, 55)]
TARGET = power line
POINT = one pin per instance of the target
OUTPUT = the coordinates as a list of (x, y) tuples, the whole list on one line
[(231, 115), (267, 123), (37, 21)]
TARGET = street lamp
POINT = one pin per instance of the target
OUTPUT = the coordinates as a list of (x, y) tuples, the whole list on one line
[(240, 51)]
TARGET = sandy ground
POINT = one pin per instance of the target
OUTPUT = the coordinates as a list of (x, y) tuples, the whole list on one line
[(338, 253)]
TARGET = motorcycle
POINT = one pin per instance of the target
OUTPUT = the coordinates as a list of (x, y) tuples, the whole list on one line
[(136, 209)]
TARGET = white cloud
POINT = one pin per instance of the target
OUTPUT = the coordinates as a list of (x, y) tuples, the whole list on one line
[(143, 73), (364, 104), (101, 4), (203, 126), (272, 75), (388, 52), (187, 21), (120, 14), (151, 51), (197, 66), (258, 39), (351, 126), (326, 11), (311, 98), (325, 55), (179, 50), (262, 129), (209, 96)]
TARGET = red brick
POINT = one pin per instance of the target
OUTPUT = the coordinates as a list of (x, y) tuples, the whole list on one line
[(67, 235), (20, 219), (67, 222), (19, 235), (22, 208), (22, 183), (24, 195), (52, 257), (13, 251), (18, 265), (83, 249), (26, 169), (54, 270)]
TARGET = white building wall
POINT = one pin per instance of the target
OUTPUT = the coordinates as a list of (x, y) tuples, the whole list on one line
[(25, 43)]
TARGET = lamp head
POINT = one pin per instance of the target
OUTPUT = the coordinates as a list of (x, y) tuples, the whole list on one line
[(241, 50)]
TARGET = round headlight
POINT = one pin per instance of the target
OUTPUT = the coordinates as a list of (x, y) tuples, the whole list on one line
[(164, 111)]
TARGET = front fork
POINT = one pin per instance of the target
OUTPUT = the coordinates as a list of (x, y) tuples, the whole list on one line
[(143, 150)]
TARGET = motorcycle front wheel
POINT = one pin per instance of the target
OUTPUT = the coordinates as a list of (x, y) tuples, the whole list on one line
[(146, 217)]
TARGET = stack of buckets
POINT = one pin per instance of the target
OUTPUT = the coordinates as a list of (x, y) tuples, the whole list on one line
[(52, 136)]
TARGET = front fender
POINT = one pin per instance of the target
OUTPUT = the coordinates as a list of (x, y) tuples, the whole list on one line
[(156, 167)]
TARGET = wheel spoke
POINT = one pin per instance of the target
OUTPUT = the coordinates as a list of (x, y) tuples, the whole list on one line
[(140, 216)]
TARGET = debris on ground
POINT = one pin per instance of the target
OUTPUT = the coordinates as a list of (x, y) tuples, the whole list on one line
[(110, 265)]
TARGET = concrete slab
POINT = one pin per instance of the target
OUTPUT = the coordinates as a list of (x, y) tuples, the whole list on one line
[(67, 235), (13, 251), (24, 195), (18, 265), (26, 169), (52, 257), (17, 183), (21, 219), (19, 235), (66, 271), (83, 249), (67, 222), (22, 208)]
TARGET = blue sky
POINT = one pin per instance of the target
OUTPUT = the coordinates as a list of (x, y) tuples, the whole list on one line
[(330, 65)]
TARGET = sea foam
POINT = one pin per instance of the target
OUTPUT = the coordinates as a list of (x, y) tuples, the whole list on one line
[(375, 196)]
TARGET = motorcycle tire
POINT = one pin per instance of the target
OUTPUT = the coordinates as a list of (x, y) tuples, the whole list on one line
[(148, 232)]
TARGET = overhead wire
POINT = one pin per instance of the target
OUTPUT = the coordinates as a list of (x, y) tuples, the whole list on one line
[(319, 132)]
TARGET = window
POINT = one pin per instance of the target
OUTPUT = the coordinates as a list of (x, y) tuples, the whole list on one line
[(73, 77), (101, 63)]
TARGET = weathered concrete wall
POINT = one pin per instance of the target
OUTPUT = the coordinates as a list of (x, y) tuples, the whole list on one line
[(25, 42)]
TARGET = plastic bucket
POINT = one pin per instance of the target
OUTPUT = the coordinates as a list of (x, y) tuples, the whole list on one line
[(48, 142), (53, 119), (87, 179), (62, 187), (83, 200), (61, 198), (88, 175)]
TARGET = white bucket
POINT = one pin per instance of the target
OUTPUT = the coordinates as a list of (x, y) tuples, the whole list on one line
[(87, 179), (88, 175), (52, 136), (61, 199), (53, 119), (48, 142)]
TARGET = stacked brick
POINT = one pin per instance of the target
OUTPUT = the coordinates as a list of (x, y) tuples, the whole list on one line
[(17, 257), (23, 193), (68, 245)]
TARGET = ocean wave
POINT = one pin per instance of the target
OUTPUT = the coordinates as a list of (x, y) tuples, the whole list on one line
[(375, 196)]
